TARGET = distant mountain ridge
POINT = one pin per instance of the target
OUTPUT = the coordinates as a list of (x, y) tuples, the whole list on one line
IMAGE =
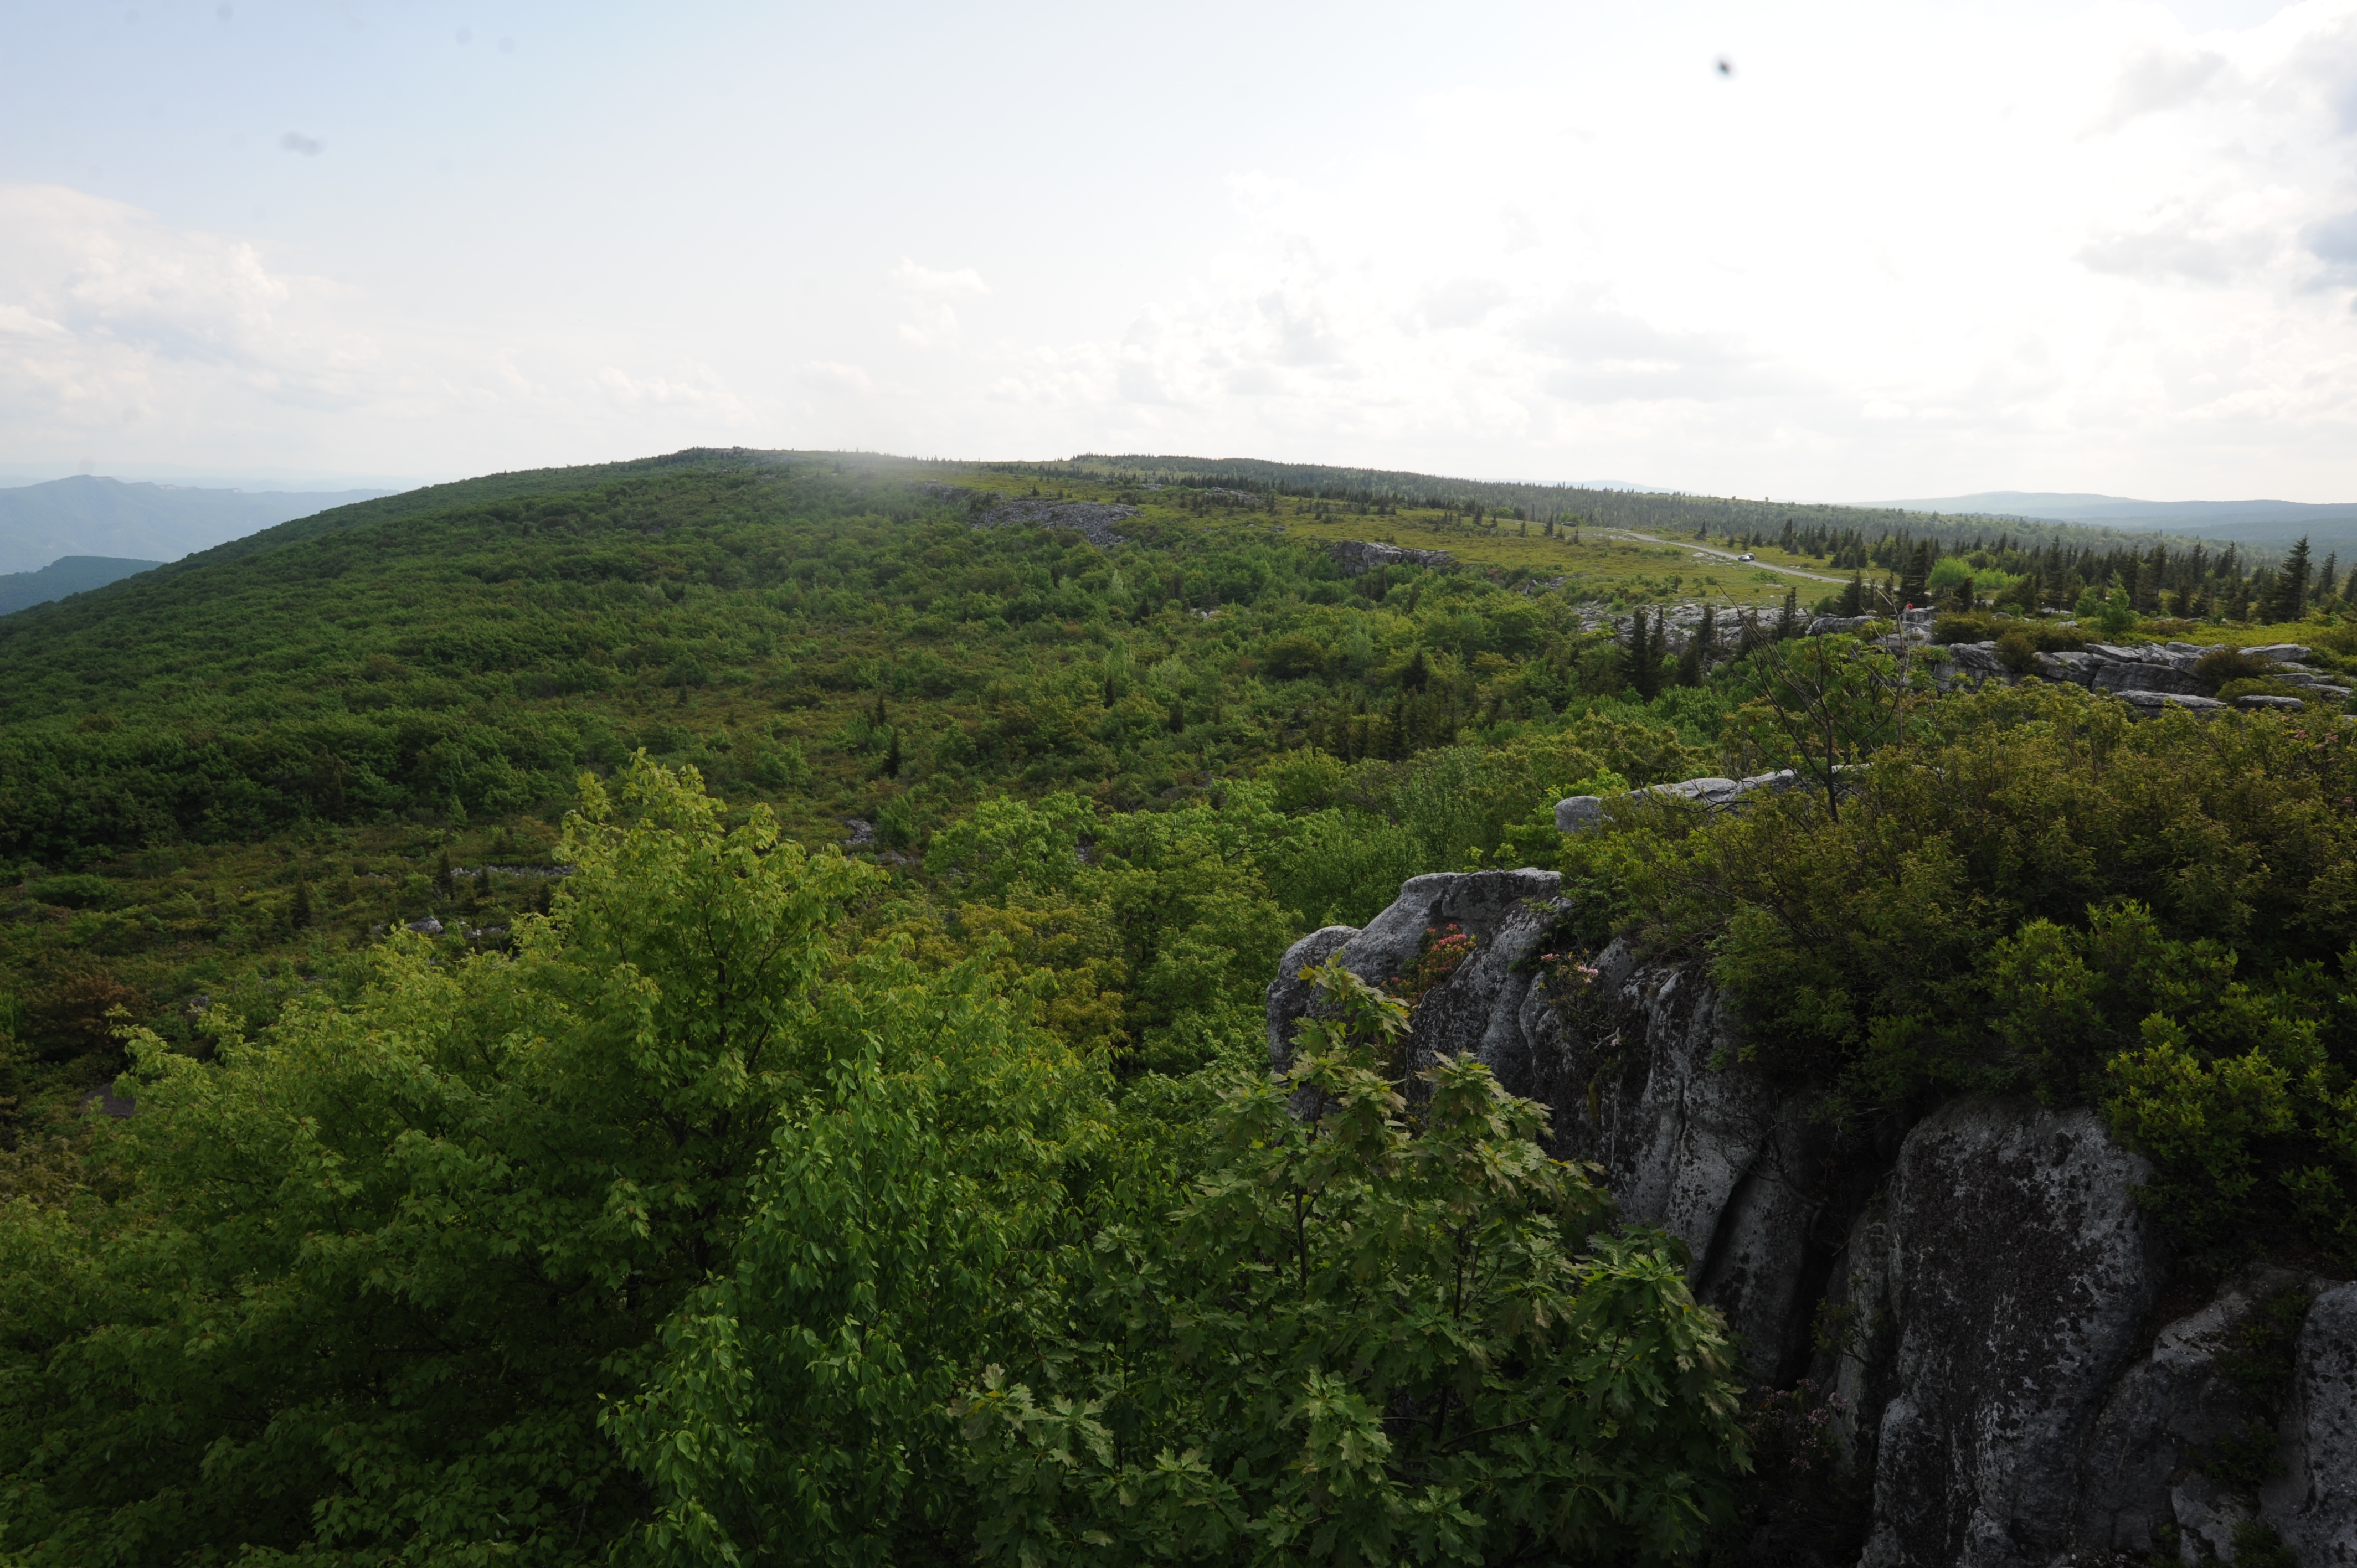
[(89, 516), (68, 575), (2265, 523)]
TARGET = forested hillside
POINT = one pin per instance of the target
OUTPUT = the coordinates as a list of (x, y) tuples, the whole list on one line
[(535, 1008)]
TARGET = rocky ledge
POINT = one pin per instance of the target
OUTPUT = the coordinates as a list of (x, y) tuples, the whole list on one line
[(1980, 1288), (1360, 556)]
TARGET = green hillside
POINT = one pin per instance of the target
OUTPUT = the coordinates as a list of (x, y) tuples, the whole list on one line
[(709, 1010)]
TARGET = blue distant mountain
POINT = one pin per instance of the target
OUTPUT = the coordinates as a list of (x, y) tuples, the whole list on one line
[(2264, 523), (68, 575), (88, 516)]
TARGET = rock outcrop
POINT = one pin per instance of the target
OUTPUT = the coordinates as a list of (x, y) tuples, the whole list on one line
[(2020, 1268), (1360, 556), (1688, 1142), (1581, 813), (2313, 1505), (1976, 1288), (1092, 520)]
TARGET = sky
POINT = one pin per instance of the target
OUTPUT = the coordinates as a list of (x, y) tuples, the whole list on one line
[(1837, 251)]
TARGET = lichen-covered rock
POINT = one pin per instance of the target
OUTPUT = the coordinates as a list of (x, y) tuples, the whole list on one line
[(2313, 1504), (1645, 1084), (2020, 1268), (1478, 901), (1689, 1140), (2079, 669), (2139, 676), (1579, 813), (1855, 1355), (2140, 1468), (2145, 703), (1357, 557), (1289, 996)]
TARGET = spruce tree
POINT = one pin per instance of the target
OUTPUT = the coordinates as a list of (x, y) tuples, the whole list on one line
[(1853, 598), (1916, 573), (1788, 620), (2290, 598), (1646, 657)]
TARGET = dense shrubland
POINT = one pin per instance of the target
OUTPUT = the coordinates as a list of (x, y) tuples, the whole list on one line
[(700, 1229), (702, 1194)]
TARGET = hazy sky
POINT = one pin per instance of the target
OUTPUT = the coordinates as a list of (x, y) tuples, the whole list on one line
[(1894, 249)]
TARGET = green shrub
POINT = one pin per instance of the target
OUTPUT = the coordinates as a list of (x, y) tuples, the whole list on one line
[(2041, 895), (1987, 625), (1369, 1335), (72, 892)]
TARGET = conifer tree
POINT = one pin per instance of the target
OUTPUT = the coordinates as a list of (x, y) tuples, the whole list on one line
[(1916, 573), (2290, 599), (1853, 598), (1646, 657)]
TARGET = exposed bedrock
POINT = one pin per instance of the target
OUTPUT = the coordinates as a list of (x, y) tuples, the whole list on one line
[(1980, 1289), (2020, 1271), (2313, 1503)]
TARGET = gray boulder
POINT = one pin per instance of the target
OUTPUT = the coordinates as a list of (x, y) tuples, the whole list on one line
[(1289, 996), (1580, 813), (1358, 557), (2078, 668), (2020, 1270), (1973, 662), (1645, 1083), (2259, 700), (2141, 1467), (1641, 1076), (2281, 653), (2313, 1504), (2138, 675), (2145, 703), (1480, 901)]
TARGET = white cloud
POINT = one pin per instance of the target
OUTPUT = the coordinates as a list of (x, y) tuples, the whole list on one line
[(963, 283)]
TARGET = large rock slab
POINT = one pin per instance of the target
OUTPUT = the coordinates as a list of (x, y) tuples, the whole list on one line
[(1641, 1076), (2142, 676), (2141, 1468), (2313, 1504), (1478, 901), (1358, 557), (1645, 1083), (2021, 1268)]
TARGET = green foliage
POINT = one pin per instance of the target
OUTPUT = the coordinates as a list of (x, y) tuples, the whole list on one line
[(366, 1283), (1819, 705), (2041, 895), (1369, 1334)]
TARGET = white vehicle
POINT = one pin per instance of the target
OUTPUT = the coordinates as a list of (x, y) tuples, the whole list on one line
[(1746, 555)]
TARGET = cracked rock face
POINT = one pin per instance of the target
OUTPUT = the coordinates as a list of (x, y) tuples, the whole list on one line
[(2020, 1271), (1646, 1088), (1985, 1318), (2140, 1469), (2313, 1504)]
